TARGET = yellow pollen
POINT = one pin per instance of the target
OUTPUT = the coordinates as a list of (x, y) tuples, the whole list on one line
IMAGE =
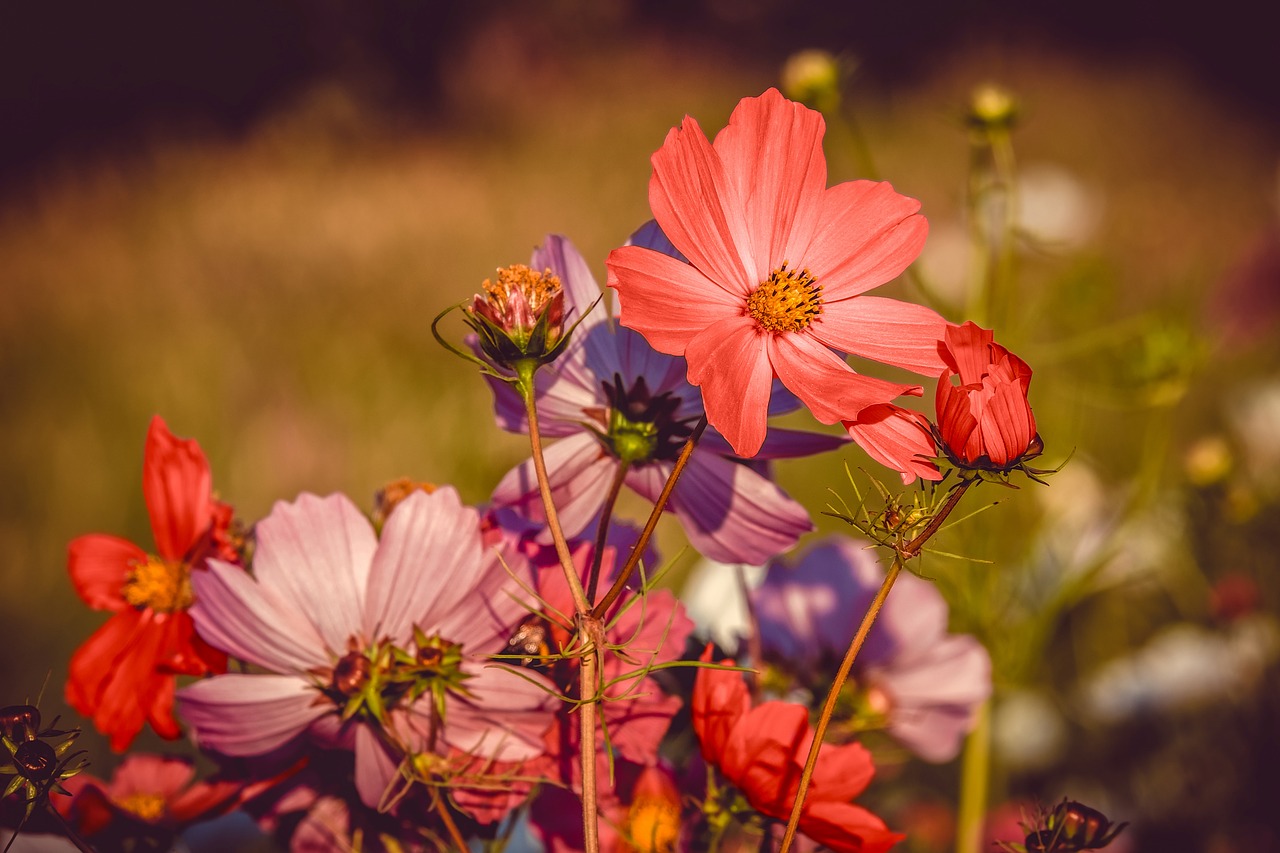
[(787, 301), (537, 288), (149, 807), (158, 584)]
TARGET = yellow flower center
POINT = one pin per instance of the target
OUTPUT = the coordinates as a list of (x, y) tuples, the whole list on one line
[(159, 585), (787, 301), (536, 288), (653, 826), (148, 807)]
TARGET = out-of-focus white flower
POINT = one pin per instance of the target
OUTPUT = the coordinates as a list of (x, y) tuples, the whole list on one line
[(1184, 666), (1255, 419), (1055, 208), (713, 599), (1028, 731)]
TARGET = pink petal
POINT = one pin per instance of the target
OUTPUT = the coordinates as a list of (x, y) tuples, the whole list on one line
[(176, 485), (151, 774), (824, 382), (235, 613), (667, 301), (376, 767), (896, 438), (869, 235), (699, 209), (934, 700), (316, 553), (505, 718), (238, 714), (771, 153), (579, 471), (729, 362), (425, 565), (885, 330)]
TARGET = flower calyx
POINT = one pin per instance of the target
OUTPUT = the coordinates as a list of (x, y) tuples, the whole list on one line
[(643, 427)]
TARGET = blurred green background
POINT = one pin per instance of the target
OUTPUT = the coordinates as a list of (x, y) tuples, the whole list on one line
[(244, 217)]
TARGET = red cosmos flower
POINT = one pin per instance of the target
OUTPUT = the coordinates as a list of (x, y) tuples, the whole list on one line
[(984, 422), (124, 674), (779, 265), (762, 751)]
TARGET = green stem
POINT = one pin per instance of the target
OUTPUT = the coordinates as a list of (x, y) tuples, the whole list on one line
[(602, 529), (900, 557), (588, 665), (620, 583), (975, 775), (580, 603)]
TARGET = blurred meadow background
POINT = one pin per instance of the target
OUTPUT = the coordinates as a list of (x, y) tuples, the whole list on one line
[(244, 217)]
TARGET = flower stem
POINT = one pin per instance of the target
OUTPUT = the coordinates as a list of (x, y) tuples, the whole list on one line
[(580, 603), (902, 553), (832, 695), (974, 777), (602, 529), (659, 505), (72, 836), (588, 627), (449, 824)]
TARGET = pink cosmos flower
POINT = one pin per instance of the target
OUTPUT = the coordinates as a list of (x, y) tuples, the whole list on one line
[(362, 640), (779, 267), (927, 683), (611, 399)]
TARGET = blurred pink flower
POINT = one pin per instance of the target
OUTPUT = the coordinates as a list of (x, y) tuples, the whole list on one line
[(929, 683), (779, 265), (611, 397), (348, 628)]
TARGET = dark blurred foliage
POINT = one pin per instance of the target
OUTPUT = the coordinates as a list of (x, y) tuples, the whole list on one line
[(75, 75)]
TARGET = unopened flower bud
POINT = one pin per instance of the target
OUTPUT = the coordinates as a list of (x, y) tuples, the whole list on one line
[(812, 77), (992, 107), (519, 316)]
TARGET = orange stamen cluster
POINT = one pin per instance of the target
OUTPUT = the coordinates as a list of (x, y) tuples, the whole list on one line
[(161, 585), (148, 807), (787, 301), (536, 289)]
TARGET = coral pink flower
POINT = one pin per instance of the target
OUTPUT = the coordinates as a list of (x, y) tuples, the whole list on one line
[(779, 265), (123, 676), (377, 646), (985, 421), (762, 751)]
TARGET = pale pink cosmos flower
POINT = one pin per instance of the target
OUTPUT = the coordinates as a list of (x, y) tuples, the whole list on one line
[(611, 397), (779, 267), (927, 683), (339, 618)]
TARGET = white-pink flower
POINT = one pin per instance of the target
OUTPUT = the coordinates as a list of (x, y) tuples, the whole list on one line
[(342, 620)]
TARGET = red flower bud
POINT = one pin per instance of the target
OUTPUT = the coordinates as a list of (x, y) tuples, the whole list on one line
[(984, 420)]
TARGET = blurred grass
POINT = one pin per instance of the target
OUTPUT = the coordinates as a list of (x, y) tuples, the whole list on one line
[(271, 295)]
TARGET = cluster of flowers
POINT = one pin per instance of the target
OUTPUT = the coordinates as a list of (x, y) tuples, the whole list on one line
[(410, 677)]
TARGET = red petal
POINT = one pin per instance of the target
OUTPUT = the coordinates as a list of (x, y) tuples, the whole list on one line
[(897, 438), (967, 352), (699, 209), (730, 363), (720, 700), (667, 301), (765, 755), (885, 330), (177, 485), (771, 153), (846, 828), (99, 565), (869, 235), (824, 382)]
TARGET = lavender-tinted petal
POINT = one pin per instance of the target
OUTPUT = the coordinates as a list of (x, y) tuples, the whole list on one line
[(579, 471), (316, 553), (238, 714), (233, 612)]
